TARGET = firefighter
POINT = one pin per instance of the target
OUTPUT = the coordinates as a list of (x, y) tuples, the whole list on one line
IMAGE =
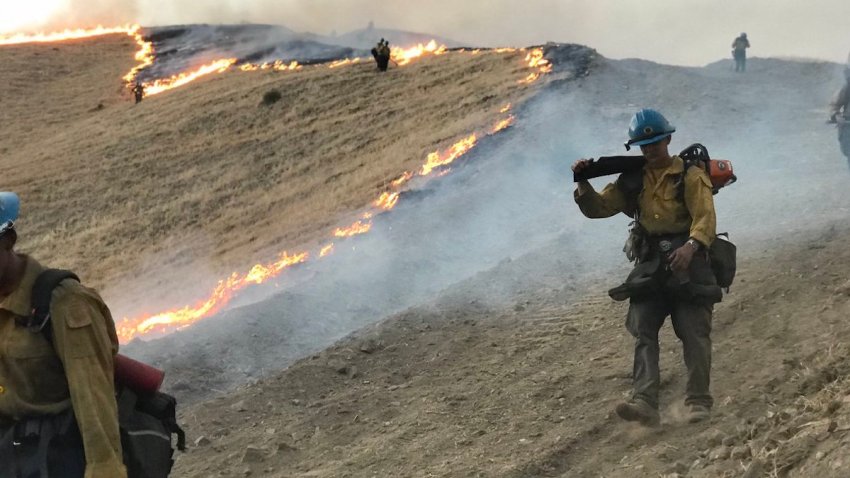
[(381, 52), (739, 52), (672, 276), (58, 413), (840, 114), (139, 91)]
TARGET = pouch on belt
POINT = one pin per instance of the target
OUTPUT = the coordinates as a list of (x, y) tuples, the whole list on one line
[(640, 282)]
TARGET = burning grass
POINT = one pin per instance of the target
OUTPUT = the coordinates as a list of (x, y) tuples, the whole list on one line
[(199, 183)]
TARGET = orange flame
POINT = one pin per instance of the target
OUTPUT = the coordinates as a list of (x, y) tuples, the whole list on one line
[(277, 65), (387, 201), (435, 160), (326, 250), (144, 56), (69, 34), (404, 56), (175, 81), (506, 108), (219, 298), (503, 124), (535, 60), (402, 179), (531, 78), (345, 62), (359, 227)]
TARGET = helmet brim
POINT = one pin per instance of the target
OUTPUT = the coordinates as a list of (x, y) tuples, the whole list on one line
[(645, 141)]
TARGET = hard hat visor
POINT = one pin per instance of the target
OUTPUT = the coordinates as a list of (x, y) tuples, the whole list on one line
[(644, 141)]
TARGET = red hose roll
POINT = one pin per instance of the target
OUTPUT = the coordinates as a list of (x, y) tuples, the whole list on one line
[(137, 376)]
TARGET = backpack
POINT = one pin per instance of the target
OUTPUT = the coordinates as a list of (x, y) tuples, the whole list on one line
[(146, 420), (722, 253)]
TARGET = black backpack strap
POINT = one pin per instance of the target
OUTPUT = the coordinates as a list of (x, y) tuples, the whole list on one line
[(42, 292), (694, 155), (631, 184)]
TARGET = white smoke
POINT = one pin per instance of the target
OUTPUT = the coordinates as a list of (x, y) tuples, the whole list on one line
[(689, 32)]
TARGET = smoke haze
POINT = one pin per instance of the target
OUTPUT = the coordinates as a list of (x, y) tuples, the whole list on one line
[(688, 32)]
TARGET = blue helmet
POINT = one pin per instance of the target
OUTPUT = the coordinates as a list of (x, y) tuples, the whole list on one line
[(10, 204), (648, 126)]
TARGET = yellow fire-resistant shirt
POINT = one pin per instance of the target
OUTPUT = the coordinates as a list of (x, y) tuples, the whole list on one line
[(76, 371), (661, 211)]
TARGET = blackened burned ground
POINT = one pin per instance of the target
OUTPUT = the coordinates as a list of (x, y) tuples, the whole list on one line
[(183, 48)]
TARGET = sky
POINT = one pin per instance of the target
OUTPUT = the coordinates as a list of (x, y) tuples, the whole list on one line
[(683, 32)]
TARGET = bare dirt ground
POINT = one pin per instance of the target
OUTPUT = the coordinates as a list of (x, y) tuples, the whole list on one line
[(456, 389), (525, 386)]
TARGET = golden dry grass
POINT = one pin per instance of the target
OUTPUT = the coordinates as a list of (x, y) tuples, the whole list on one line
[(159, 200)]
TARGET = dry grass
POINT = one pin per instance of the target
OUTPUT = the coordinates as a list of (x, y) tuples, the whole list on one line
[(157, 201)]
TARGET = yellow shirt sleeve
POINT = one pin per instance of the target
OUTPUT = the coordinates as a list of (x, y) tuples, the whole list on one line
[(700, 203), (85, 340), (597, 205)]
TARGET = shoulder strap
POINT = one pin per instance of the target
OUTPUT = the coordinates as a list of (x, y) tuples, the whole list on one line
[(694, 155), (630, 183), (42, 292)]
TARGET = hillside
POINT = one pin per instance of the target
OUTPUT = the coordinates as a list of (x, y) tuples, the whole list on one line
[(514, 372), (204, 180), (456, 389), (469, 334)]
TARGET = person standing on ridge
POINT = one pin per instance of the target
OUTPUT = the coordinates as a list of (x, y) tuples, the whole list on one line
[(739, 52), (839, 113), (381, 52), (675, 223), (58, 411), (139, 91)]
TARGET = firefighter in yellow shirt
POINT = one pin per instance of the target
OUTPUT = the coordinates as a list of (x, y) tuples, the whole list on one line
[(382, 54), (674, 225), (58, 413)]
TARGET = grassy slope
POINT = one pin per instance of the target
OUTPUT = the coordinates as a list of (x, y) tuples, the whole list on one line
[(203, 180)]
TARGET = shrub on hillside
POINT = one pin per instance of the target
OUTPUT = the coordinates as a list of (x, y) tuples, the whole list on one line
[(271, 97)]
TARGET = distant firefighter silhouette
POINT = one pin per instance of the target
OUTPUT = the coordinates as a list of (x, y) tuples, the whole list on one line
[(381, 52), (739, 52), (139, 91)]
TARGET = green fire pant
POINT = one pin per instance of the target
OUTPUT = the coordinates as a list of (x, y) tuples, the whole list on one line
[(691, 318)]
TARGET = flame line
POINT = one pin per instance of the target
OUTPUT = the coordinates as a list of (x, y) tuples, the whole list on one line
[(225, 290), (436, 165)]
